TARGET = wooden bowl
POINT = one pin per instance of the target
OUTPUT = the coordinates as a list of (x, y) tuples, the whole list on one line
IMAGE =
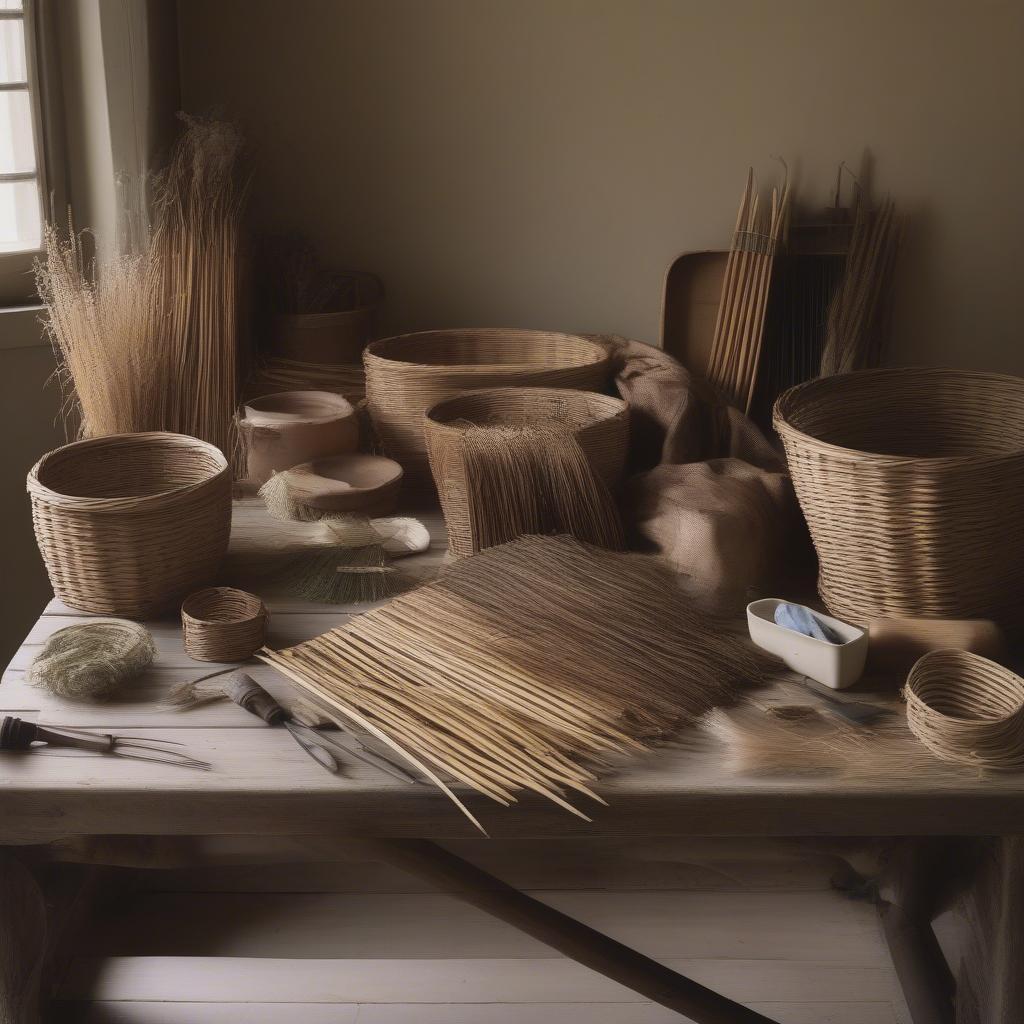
[(366, 484)]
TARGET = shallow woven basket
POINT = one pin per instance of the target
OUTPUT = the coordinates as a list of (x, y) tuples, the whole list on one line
[(407, 375), (599, 423), (129, 524), (967, 709), (223, 624), (912, 484)]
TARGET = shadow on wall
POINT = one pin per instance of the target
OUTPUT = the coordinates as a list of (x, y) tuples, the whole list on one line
[(31, 411)]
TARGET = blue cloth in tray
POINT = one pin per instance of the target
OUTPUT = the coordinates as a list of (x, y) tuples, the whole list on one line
[(800, 620)]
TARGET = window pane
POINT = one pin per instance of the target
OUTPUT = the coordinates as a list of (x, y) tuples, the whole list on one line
[(12, 50), (10, 5), (17, 152), (19, 216)]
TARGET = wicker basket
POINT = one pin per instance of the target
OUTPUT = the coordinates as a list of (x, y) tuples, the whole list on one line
[(912, 484), (967, 709), (223, 624), (599, 423), (129, 524), (407, 375)]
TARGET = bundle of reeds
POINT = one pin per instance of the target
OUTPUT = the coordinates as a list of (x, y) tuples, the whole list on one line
[(105, 331), (197, 218), (151, 341), (525, 667), (858, 317), (739, 326)]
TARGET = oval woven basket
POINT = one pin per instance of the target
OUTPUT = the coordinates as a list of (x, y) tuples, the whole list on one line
[(967, 709), (912, 484), (407, 375), (129, 524), (599, 423), (223, 624)]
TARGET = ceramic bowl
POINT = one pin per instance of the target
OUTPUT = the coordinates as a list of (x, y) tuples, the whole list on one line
[(291, 427), (364, 484), (835, 665)]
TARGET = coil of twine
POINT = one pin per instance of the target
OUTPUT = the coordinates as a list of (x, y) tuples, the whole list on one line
[(223, 624), (92, 660), (967, 709)]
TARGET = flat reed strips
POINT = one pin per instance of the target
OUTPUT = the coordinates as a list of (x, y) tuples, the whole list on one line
[(739, 326), (197, 216), (529, 666)]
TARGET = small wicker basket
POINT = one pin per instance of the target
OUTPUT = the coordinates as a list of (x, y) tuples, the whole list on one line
[(599, 423), (223, 624), (967, 709), (407, 375), (128, 524), (912, 484)]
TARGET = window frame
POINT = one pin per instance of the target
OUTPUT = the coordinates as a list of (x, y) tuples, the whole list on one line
[(17, 278)]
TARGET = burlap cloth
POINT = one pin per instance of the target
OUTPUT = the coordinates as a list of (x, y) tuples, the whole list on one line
[(708, 490)]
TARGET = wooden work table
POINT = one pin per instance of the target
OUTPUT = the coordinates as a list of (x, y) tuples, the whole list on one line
[(263, 785)]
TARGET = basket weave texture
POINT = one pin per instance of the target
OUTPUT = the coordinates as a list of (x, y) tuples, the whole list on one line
[(408, 374), (967, 709), (599, 423), (912, 484), (223, 624), (130, 523)]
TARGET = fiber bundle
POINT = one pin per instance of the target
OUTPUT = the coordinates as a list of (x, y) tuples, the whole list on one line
[(528, 666)]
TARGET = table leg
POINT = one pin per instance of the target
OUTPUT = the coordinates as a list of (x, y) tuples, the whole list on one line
[(22, 942), (990, 987), (915, 885)]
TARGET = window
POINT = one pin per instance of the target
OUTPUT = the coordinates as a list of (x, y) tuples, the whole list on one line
[(20, 192)]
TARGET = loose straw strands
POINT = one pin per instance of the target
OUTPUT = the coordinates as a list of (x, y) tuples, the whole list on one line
[(739, 325), (858, 317), (526, 666), (533, 480), (967, 710), (105, 331), (197, 215)]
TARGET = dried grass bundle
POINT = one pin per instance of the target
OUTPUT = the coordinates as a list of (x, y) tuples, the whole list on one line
[(527, 666), (196, 233), (151, 341), (105, 328)]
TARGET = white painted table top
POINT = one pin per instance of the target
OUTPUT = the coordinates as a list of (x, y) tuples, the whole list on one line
[(263, 784)]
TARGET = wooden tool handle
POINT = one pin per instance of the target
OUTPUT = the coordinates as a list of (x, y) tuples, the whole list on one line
[(248, 694)]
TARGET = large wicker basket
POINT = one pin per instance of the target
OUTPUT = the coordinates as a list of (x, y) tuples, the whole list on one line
[(129, 524), (912, 484), (407, 375), (599, 423)]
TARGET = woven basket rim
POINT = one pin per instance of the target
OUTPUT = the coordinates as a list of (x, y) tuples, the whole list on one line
[(95, 503), (959, 662), (614, 406), (783, 408), (258, 609), (593, 351)]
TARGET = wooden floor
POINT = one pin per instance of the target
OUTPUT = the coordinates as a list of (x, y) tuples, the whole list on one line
[(363, 944)]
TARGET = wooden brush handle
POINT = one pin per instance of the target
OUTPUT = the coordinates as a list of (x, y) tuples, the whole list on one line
[(248, 694)]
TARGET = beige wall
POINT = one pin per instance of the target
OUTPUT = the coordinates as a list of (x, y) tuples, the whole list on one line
[(540, 162)]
